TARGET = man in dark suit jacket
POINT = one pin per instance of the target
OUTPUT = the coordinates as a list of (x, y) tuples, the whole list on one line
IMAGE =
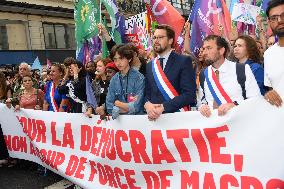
[(179, 71)]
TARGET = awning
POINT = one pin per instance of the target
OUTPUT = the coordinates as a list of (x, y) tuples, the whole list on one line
[(12, 57), (16, 57)]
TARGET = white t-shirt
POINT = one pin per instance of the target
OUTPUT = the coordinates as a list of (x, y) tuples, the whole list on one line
[(274, 68)]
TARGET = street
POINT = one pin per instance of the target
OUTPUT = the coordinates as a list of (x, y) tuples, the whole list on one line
[(25, 175)]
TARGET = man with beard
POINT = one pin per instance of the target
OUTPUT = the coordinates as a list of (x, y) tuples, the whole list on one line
[(170, 78), (220, 88), (273, 57)]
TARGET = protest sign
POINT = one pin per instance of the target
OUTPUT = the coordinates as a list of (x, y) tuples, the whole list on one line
[(245, 13)]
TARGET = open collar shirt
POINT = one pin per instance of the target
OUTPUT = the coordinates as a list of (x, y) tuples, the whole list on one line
[(228, 80)]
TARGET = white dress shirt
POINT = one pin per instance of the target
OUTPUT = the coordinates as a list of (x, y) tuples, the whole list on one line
[(274, 68), (165, 57), (229, 82)]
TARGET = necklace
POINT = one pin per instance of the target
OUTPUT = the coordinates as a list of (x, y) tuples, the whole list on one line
[(28, 94)]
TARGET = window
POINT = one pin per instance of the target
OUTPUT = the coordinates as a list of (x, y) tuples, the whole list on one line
[(70, 29), (3, 38), (49, 36), (59, 36)]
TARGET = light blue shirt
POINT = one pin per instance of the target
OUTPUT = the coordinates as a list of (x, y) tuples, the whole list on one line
[(120, 87)]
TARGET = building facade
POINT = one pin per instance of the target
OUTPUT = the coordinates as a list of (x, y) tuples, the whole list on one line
[(137, 6), (46, 28), (36, 28)]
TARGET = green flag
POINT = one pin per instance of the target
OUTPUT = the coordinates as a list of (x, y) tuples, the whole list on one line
[(87, 16), (105, 52), (111, 9), (116, 37)]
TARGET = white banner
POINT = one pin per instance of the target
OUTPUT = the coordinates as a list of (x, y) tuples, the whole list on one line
[(243, 149), (245, 13)]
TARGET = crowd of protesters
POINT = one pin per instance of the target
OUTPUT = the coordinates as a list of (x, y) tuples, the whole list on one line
[(132, 82)]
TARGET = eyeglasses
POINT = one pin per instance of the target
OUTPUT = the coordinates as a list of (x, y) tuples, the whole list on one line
[(158, 37), (276, 18)]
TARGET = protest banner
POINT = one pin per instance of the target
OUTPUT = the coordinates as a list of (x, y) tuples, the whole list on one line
[(243, 149)]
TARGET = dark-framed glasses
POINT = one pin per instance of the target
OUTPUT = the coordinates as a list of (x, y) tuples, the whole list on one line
[(158, 37), (276, 18)]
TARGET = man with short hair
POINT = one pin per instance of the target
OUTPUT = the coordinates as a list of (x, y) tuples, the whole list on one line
[(219, 85), (273, 56), (170, 78)]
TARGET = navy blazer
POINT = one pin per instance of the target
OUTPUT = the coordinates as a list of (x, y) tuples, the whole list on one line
[(180, 73)]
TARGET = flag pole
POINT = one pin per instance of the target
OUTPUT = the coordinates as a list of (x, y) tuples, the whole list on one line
[(100, 11)]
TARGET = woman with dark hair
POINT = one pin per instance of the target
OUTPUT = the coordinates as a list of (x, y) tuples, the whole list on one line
[(126, 89), (5, 89), (30, 97), (75, 88), (5, 93), (247, 52), (138, 62)]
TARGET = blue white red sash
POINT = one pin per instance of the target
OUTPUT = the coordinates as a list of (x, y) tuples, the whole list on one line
[(52, 99), (215, 88), (164, 85)]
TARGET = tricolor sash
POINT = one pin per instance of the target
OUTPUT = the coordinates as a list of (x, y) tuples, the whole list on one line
[(164, 85), (215, 88), (52, 99)]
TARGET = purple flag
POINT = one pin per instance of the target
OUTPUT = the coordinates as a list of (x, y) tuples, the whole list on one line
[(80, 55), (90, 93), (120, 26), (207, 18), (95, 46), (264, 4), (196, 34)]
